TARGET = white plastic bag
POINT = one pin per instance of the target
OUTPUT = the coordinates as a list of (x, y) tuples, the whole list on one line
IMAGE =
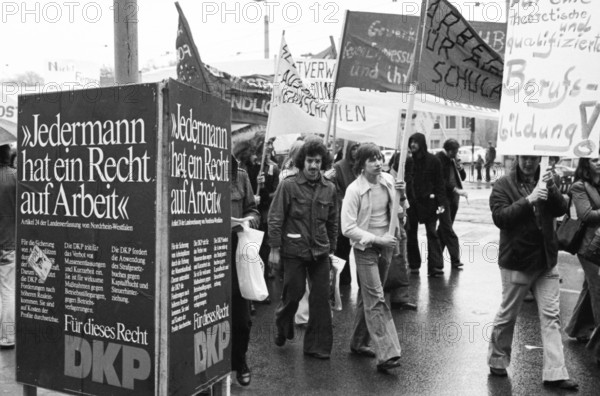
[(338, 266), (301, 316), (249, 264)]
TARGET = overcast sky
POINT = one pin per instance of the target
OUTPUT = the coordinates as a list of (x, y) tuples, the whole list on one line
[(35, 32)]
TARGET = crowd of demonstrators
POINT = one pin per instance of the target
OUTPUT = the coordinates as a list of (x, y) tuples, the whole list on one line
[(8, 191), (453, 175), (303, 228), (426, 198), (365, 219), (308, 210), (525, 210), (585, 193)]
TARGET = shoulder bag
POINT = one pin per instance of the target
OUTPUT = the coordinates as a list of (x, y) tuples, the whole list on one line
[(570, 232)]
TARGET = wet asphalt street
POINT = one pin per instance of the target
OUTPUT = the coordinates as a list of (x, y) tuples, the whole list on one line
[(444, 343)]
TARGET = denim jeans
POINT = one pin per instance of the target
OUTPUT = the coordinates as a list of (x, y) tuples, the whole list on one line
[(373, 322), (545, 286), (7, 297), (319, 330)]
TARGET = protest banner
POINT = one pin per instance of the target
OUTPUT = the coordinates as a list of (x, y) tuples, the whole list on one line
[(376, 51), (294, 108), (493, 33), (456, 64), (550, 102), (8, 117), (118, 208)]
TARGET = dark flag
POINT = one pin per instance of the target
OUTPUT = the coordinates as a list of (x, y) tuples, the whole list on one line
[(456, 63), (190, 68)]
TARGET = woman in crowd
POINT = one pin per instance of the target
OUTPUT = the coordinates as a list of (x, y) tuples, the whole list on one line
[(365, 218), (585, 193)]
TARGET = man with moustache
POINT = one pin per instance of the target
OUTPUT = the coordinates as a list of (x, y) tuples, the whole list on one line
[(303, 230)]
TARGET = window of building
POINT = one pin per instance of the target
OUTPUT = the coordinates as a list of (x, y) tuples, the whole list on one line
[(436, 123), (466, 143), (434, 144), (450, 122), (466, 122)]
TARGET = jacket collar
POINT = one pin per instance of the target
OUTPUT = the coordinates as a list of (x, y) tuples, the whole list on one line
[(301, 179), (364, 185)]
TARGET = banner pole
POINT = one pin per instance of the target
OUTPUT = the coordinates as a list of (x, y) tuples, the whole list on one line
[(335, 78), (275, 79), (402, 141)]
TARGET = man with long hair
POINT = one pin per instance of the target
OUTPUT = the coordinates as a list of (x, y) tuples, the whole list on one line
[(303, 229)]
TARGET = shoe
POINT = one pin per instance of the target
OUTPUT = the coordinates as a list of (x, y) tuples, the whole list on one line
[(562, 384), (404, 305), (498, 372), (458, 265), (389, 364), (243, 375), (7, 346), (266, 301), (529, 297), (318, 355), (436, 274), (363, 351), (414, 270), (279, 339)]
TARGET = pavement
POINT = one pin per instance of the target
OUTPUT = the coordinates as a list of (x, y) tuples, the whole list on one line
[(444, 343)]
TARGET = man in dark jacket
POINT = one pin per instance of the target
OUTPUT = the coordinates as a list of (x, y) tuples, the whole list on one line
[(453, 175), (426, 197), (344, 175), (303, 230), (525, 212)]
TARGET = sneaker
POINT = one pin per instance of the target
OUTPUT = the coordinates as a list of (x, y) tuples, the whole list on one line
[(7, 345), (279, 339), (562, 384), (436, 274), (389, 364), (498, 372), (243, 375)]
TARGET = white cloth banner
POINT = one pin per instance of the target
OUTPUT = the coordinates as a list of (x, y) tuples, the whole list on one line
[(550, 97), (8, 117), (301, 103)]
